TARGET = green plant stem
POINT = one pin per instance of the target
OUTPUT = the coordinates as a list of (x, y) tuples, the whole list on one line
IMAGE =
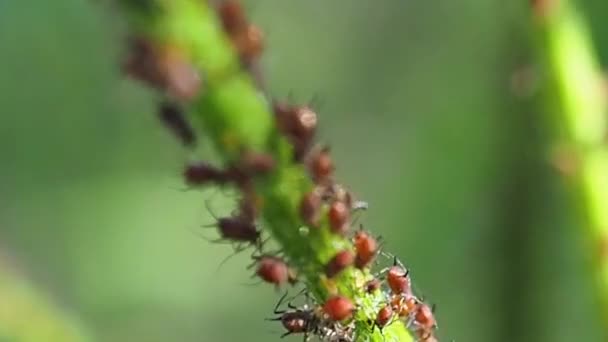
[(27, 316), (236, 116), (575, 101)]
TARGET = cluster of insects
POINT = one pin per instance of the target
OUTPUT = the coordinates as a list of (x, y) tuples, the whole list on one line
[(328, 205)]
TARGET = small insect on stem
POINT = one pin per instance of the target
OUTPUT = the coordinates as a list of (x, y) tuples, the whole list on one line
[(201, 173), (247, 38), (172, 117), (310, 207), (372, 286), (366, 248), (338, 215), (298, 124), (384, 316), (398, 280), (321, 166), (338, 308), (297, 321), (339, 262), (272, 270), (236, 229)]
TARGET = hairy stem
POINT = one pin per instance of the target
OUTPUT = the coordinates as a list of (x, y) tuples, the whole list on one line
[(236, 116)]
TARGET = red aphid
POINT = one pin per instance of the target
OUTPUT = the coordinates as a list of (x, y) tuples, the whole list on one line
[(373, 285), (366, 249), (249, 43), (384, 316), (339, 262), (321, 166), (273, 270), (310, 207), (338, 215), (338, 308), (398, 280), (172, 117), (232, 16), (424, 317), (203, 173)]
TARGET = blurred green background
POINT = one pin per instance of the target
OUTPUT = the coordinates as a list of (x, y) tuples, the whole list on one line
[(420, 114)]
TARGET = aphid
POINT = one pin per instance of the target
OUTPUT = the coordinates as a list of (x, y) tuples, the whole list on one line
[(310, 207), (339, 262), (172, 117), (203, 173), (181, 79), (384, 316), (321, 166), (232, 16), (338, 215), (299, 124), (247, 38), (238, 230), (404, 305), (398, 280), (141, 62), (257, 163), (249, 43), (298, 321), (272, 270), (366, 249), (424, 317), (372, 285), (162, 67), (338, 308)]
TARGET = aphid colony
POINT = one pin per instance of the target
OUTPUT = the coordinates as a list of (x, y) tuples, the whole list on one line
[(327, 204)]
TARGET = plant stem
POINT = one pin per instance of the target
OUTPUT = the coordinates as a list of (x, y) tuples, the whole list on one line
[(236, 117), (575, 99)]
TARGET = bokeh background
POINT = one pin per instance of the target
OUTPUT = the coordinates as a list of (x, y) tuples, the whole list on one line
[(418, 106)]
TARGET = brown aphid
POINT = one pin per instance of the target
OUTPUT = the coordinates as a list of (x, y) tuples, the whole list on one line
[(249, 43), (310, 208), (181, 79), (298, 321), (339, 262), (366, 248), (202, 173), (141, 62), (172, 117), (424, 317), (338, 215), (373, 285), (299, 124), (273, 270), (238, 230), (321, 166), (398, 280), (257, 163), (338, 308), (232, 16), (384, 316)]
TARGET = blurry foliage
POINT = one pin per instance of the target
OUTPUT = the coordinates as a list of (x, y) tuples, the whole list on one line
[(419, 113)]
